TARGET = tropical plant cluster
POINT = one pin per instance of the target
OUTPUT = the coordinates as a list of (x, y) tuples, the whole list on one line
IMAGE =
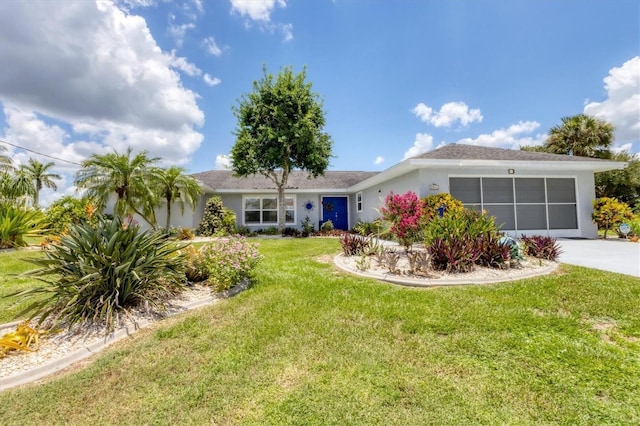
[(448, 237), (609, 213), (96, 273)]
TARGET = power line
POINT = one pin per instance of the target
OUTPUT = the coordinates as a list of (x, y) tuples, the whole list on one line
[(39, 153)]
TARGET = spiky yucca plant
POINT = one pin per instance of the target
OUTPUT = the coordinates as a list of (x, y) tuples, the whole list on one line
[(98, 272)]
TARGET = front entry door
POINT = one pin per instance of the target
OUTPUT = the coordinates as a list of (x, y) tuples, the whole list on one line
[(335, 209)]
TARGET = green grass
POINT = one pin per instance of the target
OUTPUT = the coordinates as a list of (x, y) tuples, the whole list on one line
[(13, 263), (310, 345)]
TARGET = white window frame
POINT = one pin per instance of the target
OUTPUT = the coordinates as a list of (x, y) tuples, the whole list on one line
[(262, 197), (359, 202)]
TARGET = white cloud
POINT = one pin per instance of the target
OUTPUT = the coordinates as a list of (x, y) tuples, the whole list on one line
[(178, 32), (211, 81), (422, 144), (512, 137), (223, 162), (257, 10), (211, 46), (287, 32), (185, 66), (260, 11), (106, 84), (622, 106), (198, 5), (449, 114), (379, 160)]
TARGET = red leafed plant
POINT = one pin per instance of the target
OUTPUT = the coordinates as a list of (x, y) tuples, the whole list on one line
[(403, 212)]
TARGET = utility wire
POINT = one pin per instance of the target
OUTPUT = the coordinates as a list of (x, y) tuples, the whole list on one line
[(40, 153)]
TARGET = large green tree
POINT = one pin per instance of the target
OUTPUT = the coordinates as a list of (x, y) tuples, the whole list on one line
[(621, 184), (124, 176), (280, 129), (581, 135), (173, 185), (40, 175)]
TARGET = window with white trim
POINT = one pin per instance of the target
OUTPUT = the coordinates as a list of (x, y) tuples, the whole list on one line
[(521, 203), (359, 202), (264, 210)]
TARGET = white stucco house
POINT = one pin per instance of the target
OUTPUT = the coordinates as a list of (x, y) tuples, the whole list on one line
[(527, 192)]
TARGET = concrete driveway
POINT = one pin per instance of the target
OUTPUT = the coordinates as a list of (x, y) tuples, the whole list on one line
[(608, 255)]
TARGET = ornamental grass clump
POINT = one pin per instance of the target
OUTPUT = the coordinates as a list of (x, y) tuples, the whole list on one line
[(228, 261), (96, 273)]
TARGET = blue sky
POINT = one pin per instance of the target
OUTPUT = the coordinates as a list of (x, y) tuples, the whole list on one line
[(397, 77)]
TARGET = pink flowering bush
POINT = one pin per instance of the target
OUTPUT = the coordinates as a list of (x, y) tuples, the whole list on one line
[(403, 212), (228, 261)]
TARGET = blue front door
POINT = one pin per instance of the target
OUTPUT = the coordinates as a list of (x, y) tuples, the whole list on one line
[(335, 209)]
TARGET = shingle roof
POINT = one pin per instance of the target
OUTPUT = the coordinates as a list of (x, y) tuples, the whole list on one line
[(474, 152), (224, 179)]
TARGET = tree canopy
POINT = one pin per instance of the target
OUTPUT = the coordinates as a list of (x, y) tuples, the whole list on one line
[(40, 175), (280, 129), (581, 135), (124, 176), (172, 185)]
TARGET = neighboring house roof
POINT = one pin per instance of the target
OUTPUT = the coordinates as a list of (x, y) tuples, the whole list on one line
[(224, 181), (475, 152)]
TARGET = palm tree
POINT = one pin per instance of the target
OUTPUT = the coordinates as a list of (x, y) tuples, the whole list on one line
[(5, 162), (581, 135), (39, 174), (173, 185), (126, 177), (21, 185)]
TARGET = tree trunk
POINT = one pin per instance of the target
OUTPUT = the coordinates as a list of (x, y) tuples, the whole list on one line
[(168, 213), (282, 208)]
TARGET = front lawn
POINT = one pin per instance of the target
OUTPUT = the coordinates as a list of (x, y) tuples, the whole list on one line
[(310, 345)]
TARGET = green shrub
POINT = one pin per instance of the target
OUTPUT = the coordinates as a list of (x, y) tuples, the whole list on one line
[(367, 228), (217, 220), (228, 261), (467, 222), (67, 211), (98, 272), (608, 213), (307, 226), (272, 230), (17, 222), (432, 203), (327, 226)]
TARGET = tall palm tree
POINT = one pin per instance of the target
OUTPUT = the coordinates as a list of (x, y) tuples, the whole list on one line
[(126, 177), (21, 185), (39, 174), (5, 162), (173, 185), (581, 135)]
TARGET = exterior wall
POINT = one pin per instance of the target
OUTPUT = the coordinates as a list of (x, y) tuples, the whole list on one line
[(421, 181), (373, 197)]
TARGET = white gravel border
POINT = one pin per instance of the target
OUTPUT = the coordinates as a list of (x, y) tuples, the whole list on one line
[(80, 348)]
